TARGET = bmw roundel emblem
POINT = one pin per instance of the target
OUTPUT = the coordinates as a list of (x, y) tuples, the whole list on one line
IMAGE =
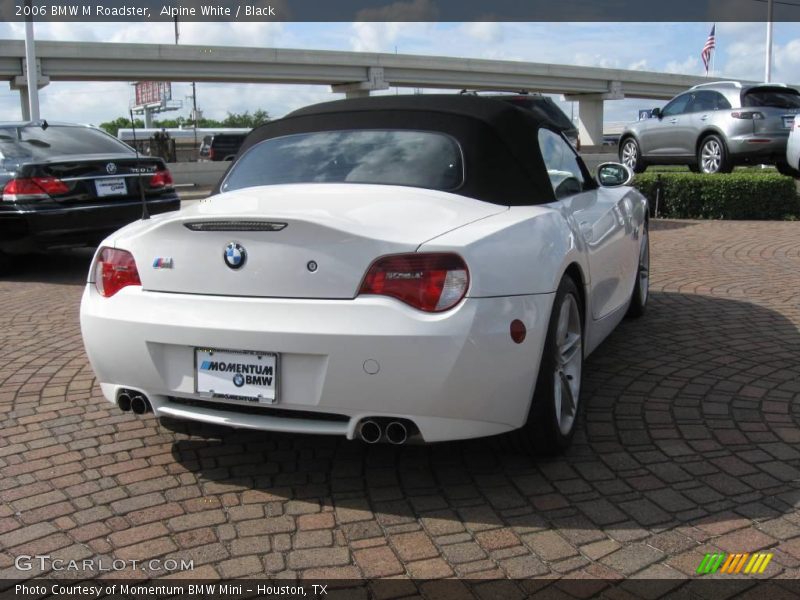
[(238, 380), (111, 168), (235, 255)]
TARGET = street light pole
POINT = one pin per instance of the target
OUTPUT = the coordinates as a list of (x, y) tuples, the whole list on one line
[(768, 60), (30, 62)]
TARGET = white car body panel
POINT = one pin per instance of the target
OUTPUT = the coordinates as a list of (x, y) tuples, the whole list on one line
[(362, 222), (455, 374), (793, 146)]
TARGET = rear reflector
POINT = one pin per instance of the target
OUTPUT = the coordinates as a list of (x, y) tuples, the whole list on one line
[(432, 282), (114, 270), (34, 188)]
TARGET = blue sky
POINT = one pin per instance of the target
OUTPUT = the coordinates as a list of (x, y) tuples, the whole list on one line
[(666, 47)]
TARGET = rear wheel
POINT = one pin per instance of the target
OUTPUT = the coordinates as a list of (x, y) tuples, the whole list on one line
[(554, 408), (631, 156), (641, 289), (712, 156)]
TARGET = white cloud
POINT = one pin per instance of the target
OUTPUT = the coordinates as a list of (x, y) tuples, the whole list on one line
[(595, 60), (689, 66), (484, 31)]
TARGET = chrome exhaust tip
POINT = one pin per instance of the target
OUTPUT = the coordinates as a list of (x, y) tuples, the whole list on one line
[(140, 405), (370, 432), (124, 401), (396, 433)]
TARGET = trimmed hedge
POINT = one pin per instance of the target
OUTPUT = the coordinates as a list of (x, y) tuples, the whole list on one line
[(737, 195)]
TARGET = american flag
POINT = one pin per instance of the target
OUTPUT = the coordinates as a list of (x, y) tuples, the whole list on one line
[(710, 45)]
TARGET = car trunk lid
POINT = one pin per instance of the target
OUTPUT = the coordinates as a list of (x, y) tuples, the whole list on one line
[(92, 177), (293, 241)]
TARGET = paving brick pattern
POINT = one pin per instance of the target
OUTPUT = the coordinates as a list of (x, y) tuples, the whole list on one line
[(688, 444)]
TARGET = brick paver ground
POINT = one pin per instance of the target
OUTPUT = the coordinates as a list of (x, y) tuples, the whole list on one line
[(688, 444)]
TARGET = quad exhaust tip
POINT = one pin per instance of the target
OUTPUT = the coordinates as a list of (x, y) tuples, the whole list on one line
[(384, 429), (396, 433), (140, 405), (124, 401), (128, 401), (370, 432)]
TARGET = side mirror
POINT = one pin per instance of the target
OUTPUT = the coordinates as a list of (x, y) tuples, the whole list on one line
[(655, 113), (612, 175)]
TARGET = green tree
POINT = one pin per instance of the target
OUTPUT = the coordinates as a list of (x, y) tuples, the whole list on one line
[(245, 119), (114, 126)]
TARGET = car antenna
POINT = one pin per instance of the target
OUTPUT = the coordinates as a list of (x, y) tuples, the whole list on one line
[(145, 214)]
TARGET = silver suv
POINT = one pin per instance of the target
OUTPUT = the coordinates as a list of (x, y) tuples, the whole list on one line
[(715, 126)]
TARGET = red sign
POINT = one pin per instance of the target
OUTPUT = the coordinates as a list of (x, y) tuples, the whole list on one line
[(152, 92)]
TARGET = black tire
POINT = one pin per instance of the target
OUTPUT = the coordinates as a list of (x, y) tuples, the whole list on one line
[(5, 263), (641, 289), (694, 168), (630, 155), (714, 152), (542, 433), (785, 169)]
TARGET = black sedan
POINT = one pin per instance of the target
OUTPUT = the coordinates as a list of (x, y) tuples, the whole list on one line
[(69, 185)]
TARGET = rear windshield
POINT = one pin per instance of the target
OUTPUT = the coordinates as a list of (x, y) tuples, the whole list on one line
[(772, 97), (34, 143), (390, 157)]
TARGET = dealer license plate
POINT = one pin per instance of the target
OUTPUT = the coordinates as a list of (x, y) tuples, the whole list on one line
[(111, 187), (242, 375)]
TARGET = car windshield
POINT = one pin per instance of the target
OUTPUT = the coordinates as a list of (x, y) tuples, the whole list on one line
[(391, 157), (772, 97), (33, 142)]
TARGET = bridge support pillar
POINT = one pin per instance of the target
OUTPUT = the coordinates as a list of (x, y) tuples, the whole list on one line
[(25, 104), (356, 94), (590, 113), (361, 89), (590, 121)]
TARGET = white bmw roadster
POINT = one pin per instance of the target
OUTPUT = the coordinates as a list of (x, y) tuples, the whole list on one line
[(398, 269)]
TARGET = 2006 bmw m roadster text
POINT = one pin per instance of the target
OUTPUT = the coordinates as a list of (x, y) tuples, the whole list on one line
[(400, 268)]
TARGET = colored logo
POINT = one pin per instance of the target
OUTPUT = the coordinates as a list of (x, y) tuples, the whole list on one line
[(162, 263), (238, 380), (235, 255), (730, 564), (111, 168)]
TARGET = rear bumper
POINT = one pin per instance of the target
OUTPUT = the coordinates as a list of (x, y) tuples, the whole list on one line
[(27, 228), (769, 146), (454, 375)]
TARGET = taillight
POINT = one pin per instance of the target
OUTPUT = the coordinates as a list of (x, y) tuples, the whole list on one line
[(34, 188), (114, 270), (161, 179), (431, 282), (210, 154), (747, 114)]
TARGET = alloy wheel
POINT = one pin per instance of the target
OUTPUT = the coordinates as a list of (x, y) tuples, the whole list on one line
[(644, 268), (711, 156), (629, 154), (569, 362)]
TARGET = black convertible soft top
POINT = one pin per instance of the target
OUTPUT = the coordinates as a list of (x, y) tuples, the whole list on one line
[(502, 161)]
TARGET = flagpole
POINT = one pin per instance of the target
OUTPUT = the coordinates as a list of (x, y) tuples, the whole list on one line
[(714, 51), (768, 60)]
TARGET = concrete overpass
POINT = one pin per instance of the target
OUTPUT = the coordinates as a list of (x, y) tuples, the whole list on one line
[(351, 73)]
